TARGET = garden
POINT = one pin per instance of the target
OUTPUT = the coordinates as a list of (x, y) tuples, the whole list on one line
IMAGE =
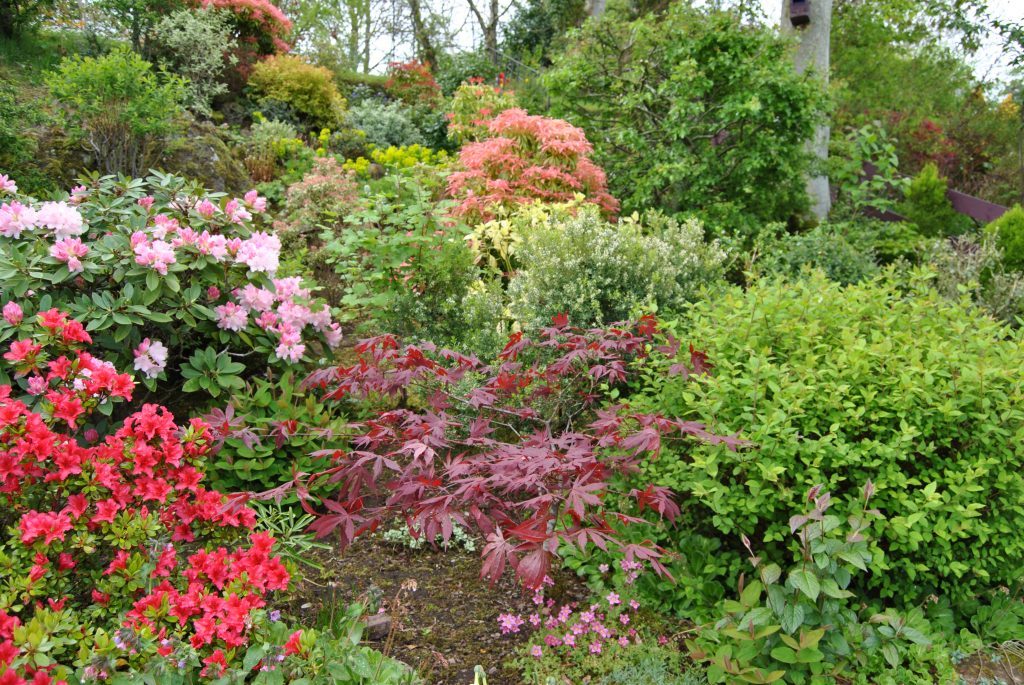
[(534, 342)]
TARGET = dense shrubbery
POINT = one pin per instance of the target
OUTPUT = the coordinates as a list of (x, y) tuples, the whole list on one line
[(176, 282), (836, 387), (307, 89), (1009, 233), (597, 272), (927, 207), (822, 248), (118, 108), (473, 106), (700, 111), (384, 124), (199, 47)]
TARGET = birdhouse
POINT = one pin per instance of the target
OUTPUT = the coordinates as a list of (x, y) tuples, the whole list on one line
[(800, 12)]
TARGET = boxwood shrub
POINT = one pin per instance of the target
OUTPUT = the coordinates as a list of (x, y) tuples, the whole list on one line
[(837, 386)]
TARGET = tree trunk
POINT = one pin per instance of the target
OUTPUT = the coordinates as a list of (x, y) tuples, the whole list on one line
[(8, 17), (424, 45), (813, 53)]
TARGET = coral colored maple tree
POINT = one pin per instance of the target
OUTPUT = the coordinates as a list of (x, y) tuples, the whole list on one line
[(522, 450), (527, 158)]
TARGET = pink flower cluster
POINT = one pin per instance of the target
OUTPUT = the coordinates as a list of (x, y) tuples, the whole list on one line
[(69, 251), (283, 311), (151, 357), (63, 219), (602, 625)]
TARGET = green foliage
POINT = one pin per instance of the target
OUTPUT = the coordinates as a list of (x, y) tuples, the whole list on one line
[(308, 89), (384, 124), (927, 206), (403, 264), (211, 372), (277, 425), (197, 45), (823, 247), (18, 143), (690, 109), (806, 626), (118, 108), (857, 189), (839, 386), (455, 68), (1009, 232), (539, 28), (18, 16), (401, 535), (598, 272), (273, 149)]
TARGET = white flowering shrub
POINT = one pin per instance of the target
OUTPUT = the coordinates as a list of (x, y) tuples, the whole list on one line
[(599, 272), (180, 284)]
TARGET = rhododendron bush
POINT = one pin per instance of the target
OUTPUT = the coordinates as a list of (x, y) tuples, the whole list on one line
[(520, 450), (114, 556), (524, 159), (178, 284)]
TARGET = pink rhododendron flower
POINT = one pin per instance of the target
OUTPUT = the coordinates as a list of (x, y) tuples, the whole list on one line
[(157, 254), (164, 225), (206, 209), (7, 184), (333, 335), (13, 313), (231, 317), (69, 251), (64, 219), (15, 218), (78, 195), (260, 252), (255, 202), (146, 202), (151, 357), (255, 299), (213, 293), (236, 212), (286, 288)]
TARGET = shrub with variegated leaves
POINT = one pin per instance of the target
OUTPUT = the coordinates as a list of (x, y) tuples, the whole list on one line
[(179, 284)]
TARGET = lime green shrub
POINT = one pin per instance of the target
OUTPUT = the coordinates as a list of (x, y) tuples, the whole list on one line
[(823, 248), (837, 386), (927, 206), (118, 108), (1009, 232), (309, 90)]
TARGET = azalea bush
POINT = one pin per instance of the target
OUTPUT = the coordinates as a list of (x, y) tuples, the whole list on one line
[(526, 158), (177, 283), (260, 27), (116, 558), (519, 451), (412, 82)]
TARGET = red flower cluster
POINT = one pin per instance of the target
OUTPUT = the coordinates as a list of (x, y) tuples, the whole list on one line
[(84, 516), (527, 158)]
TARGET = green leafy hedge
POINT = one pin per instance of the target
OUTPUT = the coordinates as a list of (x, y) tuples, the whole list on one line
[(837, 386)]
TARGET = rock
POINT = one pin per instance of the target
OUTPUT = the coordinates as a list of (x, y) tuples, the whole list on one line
[(378, 626), (202, 154)]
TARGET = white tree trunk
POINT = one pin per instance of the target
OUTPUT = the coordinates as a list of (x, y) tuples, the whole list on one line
[(813, 53)]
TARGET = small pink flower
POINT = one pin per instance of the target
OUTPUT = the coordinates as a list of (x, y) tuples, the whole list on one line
[(536, 651), (569, 640), (634, 605), (510, 623), (603, 568), (213, 292), (206, 209), (145, 202), (595, 647), (662, 640), (624, 641), (37, 385), (92, 435), (534, 620), (13, 313), (624, 619), (613, 599), (7, 185)]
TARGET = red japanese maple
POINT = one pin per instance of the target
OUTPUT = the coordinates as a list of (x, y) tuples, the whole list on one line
[(521, 450)]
